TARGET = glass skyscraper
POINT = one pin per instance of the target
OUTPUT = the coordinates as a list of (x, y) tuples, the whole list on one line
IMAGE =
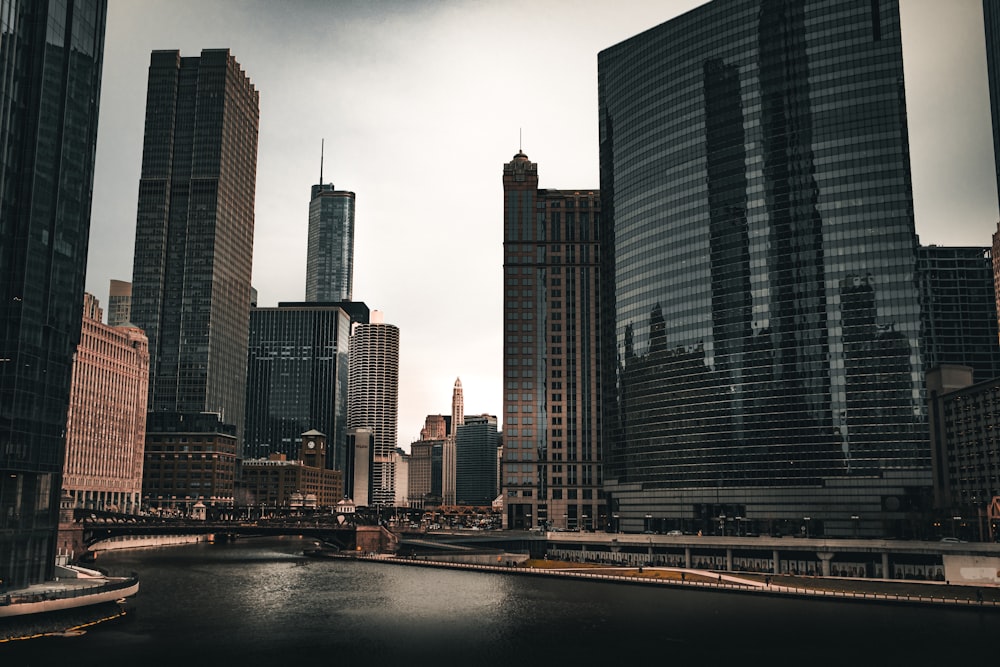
[(297, 380), (330, 253), (761, 319), (51, 56), (194, 232)]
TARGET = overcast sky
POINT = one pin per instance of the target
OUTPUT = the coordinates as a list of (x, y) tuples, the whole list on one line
[(421, 102)]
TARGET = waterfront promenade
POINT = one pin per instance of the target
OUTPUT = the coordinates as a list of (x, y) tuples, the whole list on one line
[(881, 591)]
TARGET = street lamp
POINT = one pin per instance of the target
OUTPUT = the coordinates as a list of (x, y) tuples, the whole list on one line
[(857, 524), (807, 520), (954, 526), (649, 521), (617, 524), (722, 524), (739, 526)]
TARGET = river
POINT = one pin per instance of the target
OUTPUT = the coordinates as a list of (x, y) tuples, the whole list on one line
[(260, 602)]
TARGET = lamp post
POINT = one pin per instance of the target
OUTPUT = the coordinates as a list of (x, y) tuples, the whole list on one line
[(807, 520), (648, 524), (722, 525), (857, 524), (739, 526), (617, 527), (954, 526)]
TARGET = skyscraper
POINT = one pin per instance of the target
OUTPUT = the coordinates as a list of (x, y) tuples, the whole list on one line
[(373, 400), (476, 442), (119, 303), (958, 307), (761, 347), (551, 470), (297, 380), (330, 254), (194, 232), (448, 454), (52, 60), (991, 24)]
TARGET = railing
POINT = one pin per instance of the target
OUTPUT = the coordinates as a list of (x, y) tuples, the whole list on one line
[(70, 592)]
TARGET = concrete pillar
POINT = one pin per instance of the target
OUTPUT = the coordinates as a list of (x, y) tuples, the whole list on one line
[(775, 564), (729, 560), (886, 572), (687, 557), (824, 562)]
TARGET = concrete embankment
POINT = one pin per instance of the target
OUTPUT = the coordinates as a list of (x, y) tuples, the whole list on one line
[(817, 588), (143, 541)]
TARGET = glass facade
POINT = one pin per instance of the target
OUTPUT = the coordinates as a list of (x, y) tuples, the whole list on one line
[(297, 380), (991, 23), (194, 232), (476, 444), (51, 55), (958, 304), (330, 253), (762, 356)]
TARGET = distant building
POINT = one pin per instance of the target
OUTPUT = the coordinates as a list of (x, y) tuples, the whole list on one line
[(330, 251), (106, 427), (426, 462), (357, 474), (119, 303), (297, 379), (189, 457), (476, 442), (958, 309), (448, 480), (194, 232), (551, 472), (401, 469), (373, 400), (51, 60), (965, 449), (305, 483), (991, 24)]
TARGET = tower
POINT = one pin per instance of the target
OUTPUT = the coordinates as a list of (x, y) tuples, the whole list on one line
[(551, 473), (194, 232), (762, 359), (52, 61), (313, 452), (119, 303), (330, 253), (373, 400), (448, 453)]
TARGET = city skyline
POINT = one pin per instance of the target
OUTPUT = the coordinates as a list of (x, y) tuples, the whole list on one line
[(428, 178)]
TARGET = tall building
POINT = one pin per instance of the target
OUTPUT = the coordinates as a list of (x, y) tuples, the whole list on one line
[(448, 480), (373, 400), (991, 24), (476, 442), (551, 470), (958, 307), (330, 253), (194, 232), (426, 463), (762, 359), (357, 474), (106, 424), (51, 88), (119, 303), (297, 380)]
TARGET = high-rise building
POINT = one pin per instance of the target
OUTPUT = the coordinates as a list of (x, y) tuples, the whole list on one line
[(106, 426), (51, 87), (194, 232), (448, 480), (373, 400), (991, 24), (330, 253), (958, 307), (357, 474), (476, 442), (762, 356), (551, 471), (297, 380), (426, 463), (119, 303)]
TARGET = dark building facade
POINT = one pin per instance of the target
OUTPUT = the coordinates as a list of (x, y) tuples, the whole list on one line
[(330, 253), (991, 23), (51, 55), (476, 443), (194, 232), (761, 353), (297, 380), (551, 469), (958, 307)]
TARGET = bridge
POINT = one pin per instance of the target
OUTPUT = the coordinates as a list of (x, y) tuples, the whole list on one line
[(335, 530)]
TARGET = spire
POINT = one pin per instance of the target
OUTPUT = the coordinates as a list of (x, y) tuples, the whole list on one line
[(321, 161)]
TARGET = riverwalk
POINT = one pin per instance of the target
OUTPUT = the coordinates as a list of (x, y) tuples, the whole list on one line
[(881, 591)]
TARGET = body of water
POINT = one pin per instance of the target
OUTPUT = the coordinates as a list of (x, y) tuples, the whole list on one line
[(260, 602)]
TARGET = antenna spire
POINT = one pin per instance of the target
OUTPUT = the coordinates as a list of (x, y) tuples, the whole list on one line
[(520, 146), (321, 161)]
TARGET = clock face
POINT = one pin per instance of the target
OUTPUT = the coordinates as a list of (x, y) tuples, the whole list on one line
[(310, 444)]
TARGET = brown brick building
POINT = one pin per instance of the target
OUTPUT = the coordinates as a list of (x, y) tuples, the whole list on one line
[(279, 484)]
